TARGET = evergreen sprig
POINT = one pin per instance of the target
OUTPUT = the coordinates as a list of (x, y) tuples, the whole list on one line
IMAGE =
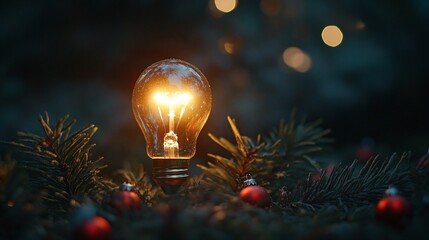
[(291, 145), (227, 172), (142, 185), (283, 155), (421, 176), (347, 186), (62, 165)]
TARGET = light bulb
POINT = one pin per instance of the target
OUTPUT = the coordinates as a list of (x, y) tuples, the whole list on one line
[(171, 103)]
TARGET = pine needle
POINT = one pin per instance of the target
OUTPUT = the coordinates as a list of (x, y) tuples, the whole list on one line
[(350, 187), (62, 165), (285, 150)]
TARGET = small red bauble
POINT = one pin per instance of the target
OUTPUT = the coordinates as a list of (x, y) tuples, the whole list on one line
[(254, 194), (394, 210), (366, 149), (125, 199), (96, 228), (364, 153)]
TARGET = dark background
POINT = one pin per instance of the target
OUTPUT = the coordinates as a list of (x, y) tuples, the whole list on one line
[(83, 58)]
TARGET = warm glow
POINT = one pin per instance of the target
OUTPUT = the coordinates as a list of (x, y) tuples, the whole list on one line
[(229, 47), (332, 36), (183, 98), (225, 6), (360, 25), (297, 59), (171, 146), (171, 103)]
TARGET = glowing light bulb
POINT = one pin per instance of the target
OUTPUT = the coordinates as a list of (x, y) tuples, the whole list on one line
[(171, 103)]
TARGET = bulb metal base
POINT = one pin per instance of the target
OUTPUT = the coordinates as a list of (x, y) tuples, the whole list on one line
[(170, 173)]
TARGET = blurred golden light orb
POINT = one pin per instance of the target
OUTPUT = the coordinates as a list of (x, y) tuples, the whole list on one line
[(332, 36), (225, 6), (297, 59)]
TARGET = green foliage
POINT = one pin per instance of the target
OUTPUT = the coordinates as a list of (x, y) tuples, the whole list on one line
[(228, 172), (420, 175), (142, 185), (62, 165), (291, 146), (346, 187), (339, 204), (280, 158)]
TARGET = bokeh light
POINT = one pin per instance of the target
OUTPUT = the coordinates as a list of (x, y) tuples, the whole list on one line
[(297, 59), (360, 25), (229, 47), (332, 36), (225, 6)]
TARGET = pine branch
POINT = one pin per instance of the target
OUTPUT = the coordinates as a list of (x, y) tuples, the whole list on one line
[(284, 153), (228, 172), (291, 145), (61, 165), (142, 185), (420, 175), (348, 187)]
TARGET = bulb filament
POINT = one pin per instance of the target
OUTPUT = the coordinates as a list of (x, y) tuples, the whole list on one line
[(171, 145)]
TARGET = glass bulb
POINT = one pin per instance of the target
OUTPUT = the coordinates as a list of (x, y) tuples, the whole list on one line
[(171, 102)]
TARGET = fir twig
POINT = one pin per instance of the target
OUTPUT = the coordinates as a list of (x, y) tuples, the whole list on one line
[(62, 165), (142, 185), (283, 155), (420, 175), (229, 172), (291, 145), (346, 186)]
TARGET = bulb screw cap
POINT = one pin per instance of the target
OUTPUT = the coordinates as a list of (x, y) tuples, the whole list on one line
[(170, 173)]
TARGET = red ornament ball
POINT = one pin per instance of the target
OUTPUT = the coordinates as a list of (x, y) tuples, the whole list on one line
[(364, 153), (124, 200), (394, 210), (256, 196), (96, 228)]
